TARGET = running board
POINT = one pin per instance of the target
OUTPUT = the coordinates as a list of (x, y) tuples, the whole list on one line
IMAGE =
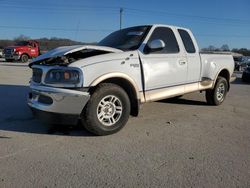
[(206, 81)]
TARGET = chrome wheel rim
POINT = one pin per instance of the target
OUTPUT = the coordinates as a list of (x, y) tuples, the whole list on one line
[(109, 110), (220, 92)]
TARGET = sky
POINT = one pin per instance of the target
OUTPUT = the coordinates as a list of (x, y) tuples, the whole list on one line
[(213, 22)]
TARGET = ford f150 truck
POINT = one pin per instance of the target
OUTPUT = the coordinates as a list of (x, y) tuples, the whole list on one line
[(102, 85), (22, 51)]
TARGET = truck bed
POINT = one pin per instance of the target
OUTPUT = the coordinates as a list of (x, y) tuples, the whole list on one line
[(214, 62)]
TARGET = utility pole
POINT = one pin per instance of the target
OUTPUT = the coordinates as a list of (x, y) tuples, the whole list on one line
[(121, 11)]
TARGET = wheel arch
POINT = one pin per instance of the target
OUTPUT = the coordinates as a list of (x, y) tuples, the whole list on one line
[(125, 82), (225, 74), (25, 53)]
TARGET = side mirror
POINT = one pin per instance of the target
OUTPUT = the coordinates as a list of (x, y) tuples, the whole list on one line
[(156, 45)]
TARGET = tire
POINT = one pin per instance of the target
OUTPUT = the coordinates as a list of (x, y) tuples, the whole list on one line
[(217, 95), (24, 58), (107, 111)]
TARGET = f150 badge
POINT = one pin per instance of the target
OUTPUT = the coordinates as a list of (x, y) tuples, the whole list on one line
[(134, 65)]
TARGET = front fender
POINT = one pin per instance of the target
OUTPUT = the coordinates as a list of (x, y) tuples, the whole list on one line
[(114, 75)]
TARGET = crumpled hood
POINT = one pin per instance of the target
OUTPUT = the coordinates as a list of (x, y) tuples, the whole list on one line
[(62, 51)]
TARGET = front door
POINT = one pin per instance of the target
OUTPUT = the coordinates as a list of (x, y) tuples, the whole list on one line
[(164, 68)]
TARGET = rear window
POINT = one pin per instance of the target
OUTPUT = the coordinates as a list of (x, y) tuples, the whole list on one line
[(22, 43), (187, 41)]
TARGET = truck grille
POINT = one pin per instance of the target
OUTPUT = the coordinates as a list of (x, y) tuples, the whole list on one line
[(8, 51), (37, 75)]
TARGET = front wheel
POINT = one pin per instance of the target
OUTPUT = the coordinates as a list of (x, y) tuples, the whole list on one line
[(217, 95), (107, 110), (24, 58)]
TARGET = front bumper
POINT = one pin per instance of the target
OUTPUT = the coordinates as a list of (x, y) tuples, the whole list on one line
[(11, 56), (57, 101)]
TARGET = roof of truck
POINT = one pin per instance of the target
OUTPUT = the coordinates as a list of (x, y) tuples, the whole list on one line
[(161, 25)]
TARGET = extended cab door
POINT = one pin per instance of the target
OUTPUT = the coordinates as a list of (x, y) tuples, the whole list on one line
[(164, 71), (193, 56)]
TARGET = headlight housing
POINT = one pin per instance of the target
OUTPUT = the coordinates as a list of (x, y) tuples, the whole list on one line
[(16, 52), (64, 77)]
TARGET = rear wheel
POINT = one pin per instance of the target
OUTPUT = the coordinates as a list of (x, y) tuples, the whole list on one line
[(107, 110), (217, 95), (24, 58)]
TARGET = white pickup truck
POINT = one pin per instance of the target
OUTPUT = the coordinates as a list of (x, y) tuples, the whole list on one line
[(102, 85)]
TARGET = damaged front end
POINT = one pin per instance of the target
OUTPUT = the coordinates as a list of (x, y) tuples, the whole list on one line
[(56, 88), (55, 96)]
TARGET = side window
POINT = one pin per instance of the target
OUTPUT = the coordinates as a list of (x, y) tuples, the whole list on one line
[(30, 44), (167, 35), (187, 41)]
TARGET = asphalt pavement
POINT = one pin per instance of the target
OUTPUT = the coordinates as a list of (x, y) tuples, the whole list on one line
[(173, 143)]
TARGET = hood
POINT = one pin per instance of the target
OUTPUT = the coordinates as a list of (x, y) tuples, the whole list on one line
[(67, 50), (14, 47)]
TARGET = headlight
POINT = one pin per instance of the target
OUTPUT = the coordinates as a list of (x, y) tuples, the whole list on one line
[(61, 76)]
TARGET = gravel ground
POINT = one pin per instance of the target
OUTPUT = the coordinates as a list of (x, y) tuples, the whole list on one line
[(173, 143)]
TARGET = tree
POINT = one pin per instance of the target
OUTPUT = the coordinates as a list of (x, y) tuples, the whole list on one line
[(225, 48), (21, 38), (211, 48), (243, 51)]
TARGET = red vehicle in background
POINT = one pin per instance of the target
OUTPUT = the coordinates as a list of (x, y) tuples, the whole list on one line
[(22, 51)]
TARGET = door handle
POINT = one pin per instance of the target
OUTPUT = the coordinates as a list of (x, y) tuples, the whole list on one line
[(182, 62)]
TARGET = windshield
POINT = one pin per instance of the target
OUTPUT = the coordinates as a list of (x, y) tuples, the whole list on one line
[(126, 39), (22, 43)]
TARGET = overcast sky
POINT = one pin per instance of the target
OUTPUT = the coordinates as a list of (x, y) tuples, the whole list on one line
[(214, 22)]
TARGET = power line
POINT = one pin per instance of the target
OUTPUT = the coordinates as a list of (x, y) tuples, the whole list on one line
[(217, 24), (60, 7), (56, 5), (108, 30), (75, 7), (128, 11), (223, 36), (185, 15), (53, 28), (137, 12), (64, 9)]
